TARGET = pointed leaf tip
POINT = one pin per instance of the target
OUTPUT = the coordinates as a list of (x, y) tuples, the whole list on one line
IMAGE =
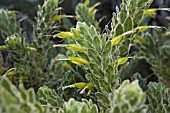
[(63, 35), (122, 61), (116, 40)]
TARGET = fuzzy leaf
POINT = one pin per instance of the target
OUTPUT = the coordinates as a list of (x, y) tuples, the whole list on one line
[(75, 47), (116, 40), (77, 60)]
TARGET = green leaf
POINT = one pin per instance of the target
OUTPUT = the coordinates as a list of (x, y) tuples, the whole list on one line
[(128, 24), (94, 56), (133, 6), (86, 3), (59, 17), (63, 35), (123, 13), (4, 47), (139, 38), (75, 33), (77, 60), (92, 8), (96, 43), (118, 30), (11, 74), (122, 60), (80, 85), (75, 47), (138, 16), (96, 70), (152, 11), (144, 28), (12, 12), (116, 40)]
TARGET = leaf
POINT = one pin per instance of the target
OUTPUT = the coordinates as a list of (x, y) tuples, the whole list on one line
[(137, 16), (94, 56), (96, 43), (128, 24), (79, 85), (63, 35), (59, 17), (86, 3), (96, 70), (139, 38), (77, 60), (92, 8), (11, 74), (144, 28), (116, 40), (123, 13), (75, 33), (132, 6), (152, 11), (4, 47), (12, 12), (122, 60), (102, 97), (118, 30), (75, 47)]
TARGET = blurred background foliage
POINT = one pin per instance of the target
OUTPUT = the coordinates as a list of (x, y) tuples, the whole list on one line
[(27, 10)]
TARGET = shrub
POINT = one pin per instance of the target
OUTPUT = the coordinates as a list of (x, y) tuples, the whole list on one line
[(37, 78)]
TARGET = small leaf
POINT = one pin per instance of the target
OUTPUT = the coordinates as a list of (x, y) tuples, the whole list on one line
[(144, 28), (75, 33), (96, 43), (118, 29), (4, 47), (63, 35), (75, 47), (116, 40), (139, 38), (92, 8), (66, 66), (80, 85), (129, 24), (122, 60), (12, 12), (86, 3), (11, 74), (152, 11), (90, 86), (59, 17), (77, 60)]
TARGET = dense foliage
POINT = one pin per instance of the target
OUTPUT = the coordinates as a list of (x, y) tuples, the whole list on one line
[(87, 72)]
